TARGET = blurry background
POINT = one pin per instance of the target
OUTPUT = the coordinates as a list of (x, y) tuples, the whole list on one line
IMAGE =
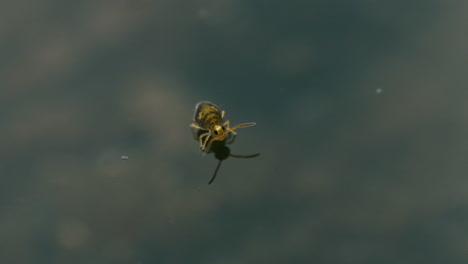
[(361, 110)]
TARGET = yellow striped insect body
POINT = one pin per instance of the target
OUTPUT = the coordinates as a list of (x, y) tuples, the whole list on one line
[(209, 117)]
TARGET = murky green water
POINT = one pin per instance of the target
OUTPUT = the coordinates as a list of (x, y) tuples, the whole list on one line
[(361, 112)]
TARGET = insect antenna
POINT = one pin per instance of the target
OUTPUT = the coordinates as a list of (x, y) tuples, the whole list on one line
[(241, 125)]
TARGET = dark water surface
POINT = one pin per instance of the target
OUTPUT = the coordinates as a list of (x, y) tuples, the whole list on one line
[(362, 122)]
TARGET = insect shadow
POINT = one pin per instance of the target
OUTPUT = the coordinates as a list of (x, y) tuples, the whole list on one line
[(221, 151)]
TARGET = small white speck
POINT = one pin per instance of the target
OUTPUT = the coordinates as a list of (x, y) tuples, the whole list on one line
[(124, 157), (378, 91)]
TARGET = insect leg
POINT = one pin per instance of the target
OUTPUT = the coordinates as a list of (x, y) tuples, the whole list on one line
[(208, 147), (206, 140), (232, 139), (227, 126), (222, 114), (195, 126), (207, 134)]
